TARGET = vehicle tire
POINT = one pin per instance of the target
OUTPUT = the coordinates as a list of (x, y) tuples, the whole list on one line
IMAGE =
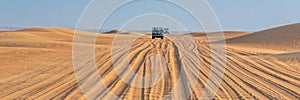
[(153, 37), (162, 37)]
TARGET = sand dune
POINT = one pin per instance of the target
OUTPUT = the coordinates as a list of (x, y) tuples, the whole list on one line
[(115, 31), (227, 34), (285, 38), (37, 64)]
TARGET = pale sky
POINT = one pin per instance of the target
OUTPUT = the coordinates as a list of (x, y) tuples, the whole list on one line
[(245, 15)]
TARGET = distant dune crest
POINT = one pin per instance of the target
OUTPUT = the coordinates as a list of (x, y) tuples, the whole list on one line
[(115, 31)]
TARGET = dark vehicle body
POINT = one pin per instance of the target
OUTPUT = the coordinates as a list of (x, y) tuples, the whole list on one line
[(158, 32)]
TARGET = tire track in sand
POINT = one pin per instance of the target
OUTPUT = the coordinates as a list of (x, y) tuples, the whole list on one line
[(246, 76)]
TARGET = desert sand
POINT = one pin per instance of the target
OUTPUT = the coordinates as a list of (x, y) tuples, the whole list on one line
[(36, 63)]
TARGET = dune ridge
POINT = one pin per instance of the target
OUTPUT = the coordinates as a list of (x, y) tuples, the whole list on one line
[(284, 38)]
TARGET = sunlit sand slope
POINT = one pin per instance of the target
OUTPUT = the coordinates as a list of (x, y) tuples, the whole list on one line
[(284, 38)]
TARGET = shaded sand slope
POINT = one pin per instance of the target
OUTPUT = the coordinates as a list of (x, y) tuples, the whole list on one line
[(35, 71), (285, 38)]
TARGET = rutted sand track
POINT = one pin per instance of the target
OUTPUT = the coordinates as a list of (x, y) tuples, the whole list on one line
[(247, 76)]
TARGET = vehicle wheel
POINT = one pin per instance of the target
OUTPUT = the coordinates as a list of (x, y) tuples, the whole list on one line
[(162, 37), (153, 37)]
